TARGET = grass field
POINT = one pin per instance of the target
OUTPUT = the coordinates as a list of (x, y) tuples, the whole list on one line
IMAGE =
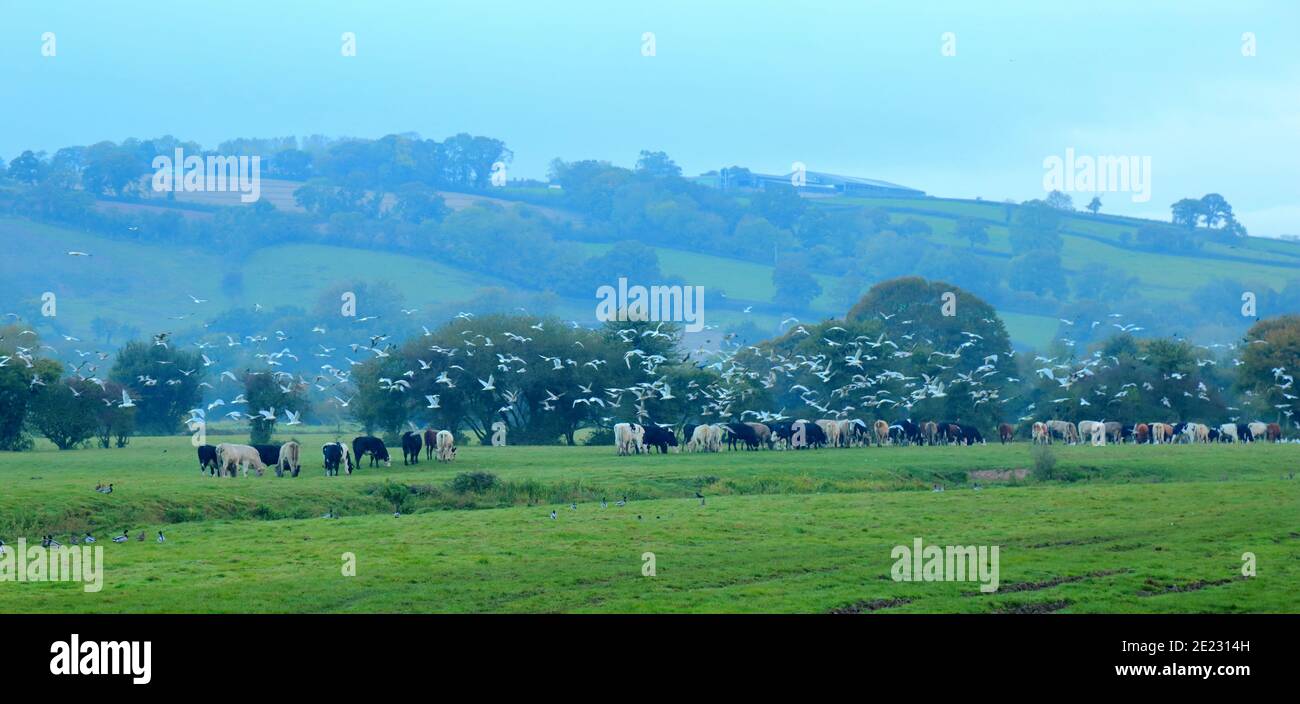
[(1124, 529)]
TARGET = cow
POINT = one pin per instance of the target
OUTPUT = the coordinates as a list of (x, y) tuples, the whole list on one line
[(882, 432), (627, 438), (1114, 431), (290, 459), (844, 432), (411, 446), (208, 459), (930, 432), (970, 435), (1273, 433), (658, 436), (738, 433), (715, 437), (1006, 433), (446, 443), (270, 454), (430, 440), (1228, 432), (911, 432), (337, 456), (688, 431), (1201, 432), (232, 458), (763, 433), (1040, 434), (1161, 432), (832, 431), (1258, 430), (1141, 434), (804, 434), (1244, 433), (1088, 430), (369, 444), (700, 439), (1066, 430), (859, 433)]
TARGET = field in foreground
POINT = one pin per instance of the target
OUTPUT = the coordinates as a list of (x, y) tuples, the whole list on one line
[(1125, 529)]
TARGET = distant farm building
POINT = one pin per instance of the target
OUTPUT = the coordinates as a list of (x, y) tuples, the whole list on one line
[(814, 184)]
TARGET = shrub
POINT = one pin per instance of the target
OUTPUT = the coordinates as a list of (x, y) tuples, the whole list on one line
[(1044, 463), (473, 482)]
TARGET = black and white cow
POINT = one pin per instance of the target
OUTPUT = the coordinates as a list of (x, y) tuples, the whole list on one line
[(661, 438), (208, 460)]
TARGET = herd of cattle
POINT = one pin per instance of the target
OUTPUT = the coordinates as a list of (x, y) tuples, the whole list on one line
[(1099, 433), (229, 459), (633, 438)]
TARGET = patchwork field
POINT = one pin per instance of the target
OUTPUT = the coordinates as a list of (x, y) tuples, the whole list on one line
[(1120, 529)]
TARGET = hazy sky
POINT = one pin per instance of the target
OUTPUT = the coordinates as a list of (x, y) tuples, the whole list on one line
[(852, 87)]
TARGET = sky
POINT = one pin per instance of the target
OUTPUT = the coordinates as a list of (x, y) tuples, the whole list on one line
[(959, 99)]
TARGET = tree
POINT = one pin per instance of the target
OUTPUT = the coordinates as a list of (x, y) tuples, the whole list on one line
[(1036, 225), (794, 284), (26, 168), (275, 392), (417, 202), (657, 165), (1038, 272), (1094, 205), (114, 424), (780, 204), (1270, 360), (19, 379), (163, 380), (973, 231), (64, 412), (1060, 201), (1186, 212)]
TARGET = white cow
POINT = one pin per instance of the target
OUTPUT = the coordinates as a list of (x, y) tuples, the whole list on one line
[(628, 438), (446, 446), (1258, 431), (234, 457), (699, 439)]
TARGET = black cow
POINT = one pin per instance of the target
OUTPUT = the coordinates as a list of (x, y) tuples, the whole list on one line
[(688, 430), (970, 434), (948, 432), (372, 445), (741, 433), (658, 437), (208, 459), (270, 454), (1244, 434), (911, 432), (411, 446)]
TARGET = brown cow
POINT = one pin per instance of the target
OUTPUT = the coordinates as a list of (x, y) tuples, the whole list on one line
[(430, 440), (882, 432), (1273, 432), (930, 430), (1141, 434), (1006, 433)]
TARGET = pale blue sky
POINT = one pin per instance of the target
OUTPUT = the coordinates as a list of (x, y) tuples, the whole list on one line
[(851, 87)]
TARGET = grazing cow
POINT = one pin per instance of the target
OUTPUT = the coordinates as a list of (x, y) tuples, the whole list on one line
[(208, 459), (911, 431), (372, 445), (337, 456), (763, 433), (1201, 432), (411, 446), (1244, 433), (1258, 430), (658, 436), (446, 443), (738, 433), (970, 435), (859, 433), (688, 432), (1114, 431), (627, 438), (699, 439), (832, 431), (1228, 432), (1040, 434), (930, 431), (1215, 435), (1092, 430), (882, 432), (430, 441), (1065, 429), (1273, 432), (289, 460), (811, 434), (1142, 434), (715, 437), (232, 458), (1006, 433), (844, 432), (269, 454), (1161, 432)]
